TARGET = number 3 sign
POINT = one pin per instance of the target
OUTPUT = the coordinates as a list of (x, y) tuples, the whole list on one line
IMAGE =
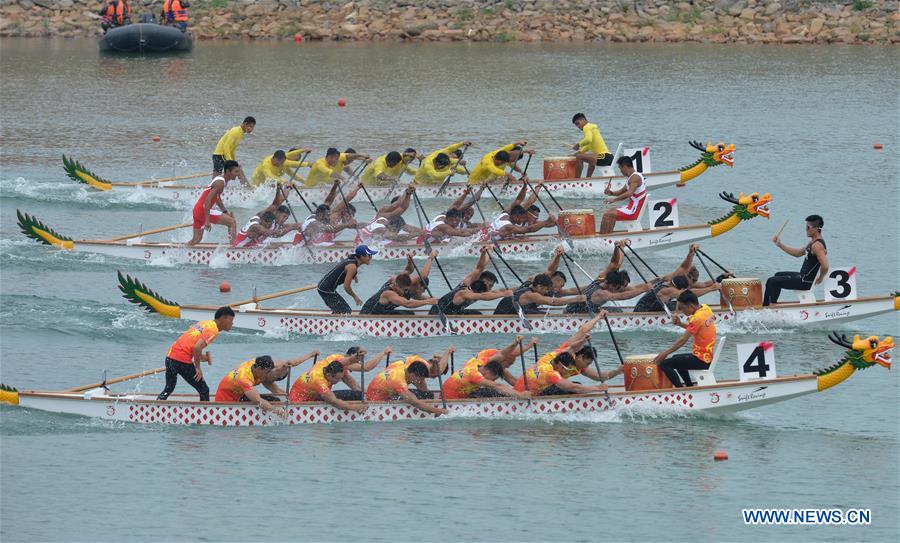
[(840, 284), (663, 213), (756, 361)]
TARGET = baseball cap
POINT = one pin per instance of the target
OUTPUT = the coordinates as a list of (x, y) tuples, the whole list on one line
[(365, 250)]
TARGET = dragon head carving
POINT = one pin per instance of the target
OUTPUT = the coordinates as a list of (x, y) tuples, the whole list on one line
[(715, 153), (750, 205), (865, 352)]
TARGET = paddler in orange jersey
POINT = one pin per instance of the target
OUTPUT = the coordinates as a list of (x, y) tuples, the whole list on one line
[(239, 384), (186, 354), (492, 166), (506, 357), (307, 387), (474, 377), (204, 215), (549, 376), (701, 325), (393, 383)]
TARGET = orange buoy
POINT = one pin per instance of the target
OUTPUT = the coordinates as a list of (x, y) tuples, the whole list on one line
[(225, 286), (298, 37), (342, 102), (878, 146), (156, 138), (720, 455)]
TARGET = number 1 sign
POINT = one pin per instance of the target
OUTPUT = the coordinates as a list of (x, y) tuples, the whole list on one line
[(756, 361)]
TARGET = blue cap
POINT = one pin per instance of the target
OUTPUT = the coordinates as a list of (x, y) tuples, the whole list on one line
[(365, 250)]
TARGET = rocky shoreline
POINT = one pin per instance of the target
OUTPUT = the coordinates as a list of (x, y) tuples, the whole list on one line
[(623, 21)]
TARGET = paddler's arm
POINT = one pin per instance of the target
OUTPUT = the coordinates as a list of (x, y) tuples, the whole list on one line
[(625, 192), (570, 386), (444, 361), (534, 297), (329, 199), (348, 282), (615, 262), (686, 264), (480, 266), (410, 266), (395, 298), (256, 398), (411, 399), (372, 364), (198, 357), (818, 249), (450, 148), (468, 295), (677, 345), (294, 154), (459, 202), (701, 290), (585, 329), (426, 269), (273, 387), (294, 362), (520, 197), (528, 228), (554, 262), (329, 398), (506, 390), (603, 376)]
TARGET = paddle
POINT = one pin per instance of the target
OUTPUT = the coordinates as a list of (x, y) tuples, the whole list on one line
[(522, 318), (713, 279), (362, 377), (505, 263), (155, 231), (419, 213), (444, 320), (613, 338), (452, 362), (494, 196), (446, 181), (275, 295), (441, 385), (524, 370), (641, 275), (151, 182), (368, 196), (524, 171), (296, 221), (714, 262), (105, 382), (294, 176), (565, 235)]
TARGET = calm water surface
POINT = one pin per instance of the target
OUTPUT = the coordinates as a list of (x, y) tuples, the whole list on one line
[(803, 120)]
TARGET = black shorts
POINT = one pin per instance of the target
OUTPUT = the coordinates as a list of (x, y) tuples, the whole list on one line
[(218, 164), (604, 160)]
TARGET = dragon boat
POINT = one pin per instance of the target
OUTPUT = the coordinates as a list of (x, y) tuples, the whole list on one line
[(724, 397), (320, 322), (712, 155), (285, 253)]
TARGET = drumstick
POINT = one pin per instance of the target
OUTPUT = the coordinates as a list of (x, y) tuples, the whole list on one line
[(778, 235)]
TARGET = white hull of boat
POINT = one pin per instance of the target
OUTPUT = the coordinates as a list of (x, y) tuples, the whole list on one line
[(721, 398), (319, 323)]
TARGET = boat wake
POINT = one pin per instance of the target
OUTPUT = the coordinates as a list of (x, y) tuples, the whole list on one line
[(70, 192)]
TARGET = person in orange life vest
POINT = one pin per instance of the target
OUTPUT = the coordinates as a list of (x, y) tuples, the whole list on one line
[(465, 382), (352, 361), (204, 214), (701, 326), (185, 355), (175, 12), (549, 376), (239, 384), (634, 192), (108, 16), (393, 383)]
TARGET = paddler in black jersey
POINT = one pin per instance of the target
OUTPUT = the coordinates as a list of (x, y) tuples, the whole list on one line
[(544, 288), (401, 290), (345, 273), (477, 285), (666, 289), (813, 270)]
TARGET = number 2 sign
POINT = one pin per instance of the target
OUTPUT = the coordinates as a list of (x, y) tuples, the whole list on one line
[(840, 284), (756, 361), (663, 213)]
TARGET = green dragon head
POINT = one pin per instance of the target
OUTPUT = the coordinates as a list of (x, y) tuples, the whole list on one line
[(138, 293), (32, 227), (79, 173), (749, 206), (715, 154), (865, 352)]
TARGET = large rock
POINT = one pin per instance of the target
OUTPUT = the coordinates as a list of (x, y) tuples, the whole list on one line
[(816, 25)]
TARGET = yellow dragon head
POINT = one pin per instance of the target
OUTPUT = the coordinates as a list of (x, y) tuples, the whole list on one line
[(750, 205), (716, 153), (862, 353)]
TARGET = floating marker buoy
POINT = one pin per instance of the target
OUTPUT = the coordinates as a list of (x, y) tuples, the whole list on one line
[(720, 455), (878, 146), (225, 286), (342, 102), (156, 138), (298, 38)]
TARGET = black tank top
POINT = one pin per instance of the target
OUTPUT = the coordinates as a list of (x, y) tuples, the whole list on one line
[(335, 278), (446, 302), (508, 307), (374, 307), (810, 268), (649, 303)]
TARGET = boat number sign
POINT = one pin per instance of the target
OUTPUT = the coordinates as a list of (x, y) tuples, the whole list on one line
[(756, 361), (663, 213), (840, 284)]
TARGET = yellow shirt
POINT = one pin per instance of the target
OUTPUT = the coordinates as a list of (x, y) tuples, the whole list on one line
[(427, 174), (228, 143), (322, 174), (266, 171), (486, 170), (379, 167), (592, 141)]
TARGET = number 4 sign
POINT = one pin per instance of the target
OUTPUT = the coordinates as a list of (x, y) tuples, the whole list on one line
[(663, 213), (840, 284), (756, 361)]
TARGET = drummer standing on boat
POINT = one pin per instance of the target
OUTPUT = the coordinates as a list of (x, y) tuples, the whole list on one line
[(701, 326), (205, 215), (591, 150), (186, 354), (345, 273), (634, 193), (228, 144), (812, 271)]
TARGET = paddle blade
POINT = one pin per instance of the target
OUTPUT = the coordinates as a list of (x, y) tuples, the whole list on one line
[(524, 320), (38, 231), (137, 293), (79, 173)]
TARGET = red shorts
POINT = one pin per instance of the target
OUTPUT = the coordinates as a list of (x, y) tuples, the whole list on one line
[(630, 212), (214, 215)]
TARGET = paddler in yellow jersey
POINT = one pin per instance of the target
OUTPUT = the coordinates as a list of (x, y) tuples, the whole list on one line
[(278, 165), (227, 147), (239, 384), (386, 169), (550, 375), (393, 384), (472, 378), (438, 165), (316, 384), (329, 168), (492, 167), (591, 150)]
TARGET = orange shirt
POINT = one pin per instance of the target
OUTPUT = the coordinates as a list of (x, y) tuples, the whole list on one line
[(464, 382), (702, 325), (389, 383), (183, 348), (542, 375), (236, 383), (312, 385)]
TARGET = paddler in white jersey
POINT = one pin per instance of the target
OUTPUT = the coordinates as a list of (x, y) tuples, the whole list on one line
[(269, 223), (205, 215), (384, 226), (634, 192), (516, 220)]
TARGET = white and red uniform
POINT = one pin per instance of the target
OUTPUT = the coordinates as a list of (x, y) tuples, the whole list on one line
[(438, 221), (371, 230), (497, 224), (321, 238), (242, 239), (214, 214), (632, 210)]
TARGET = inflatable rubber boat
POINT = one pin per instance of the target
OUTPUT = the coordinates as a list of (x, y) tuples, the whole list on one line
[(145, 38)]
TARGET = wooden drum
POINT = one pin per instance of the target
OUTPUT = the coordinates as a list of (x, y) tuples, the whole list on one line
[(560, 167), (742, 292), (577, 222), (642, 374)]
